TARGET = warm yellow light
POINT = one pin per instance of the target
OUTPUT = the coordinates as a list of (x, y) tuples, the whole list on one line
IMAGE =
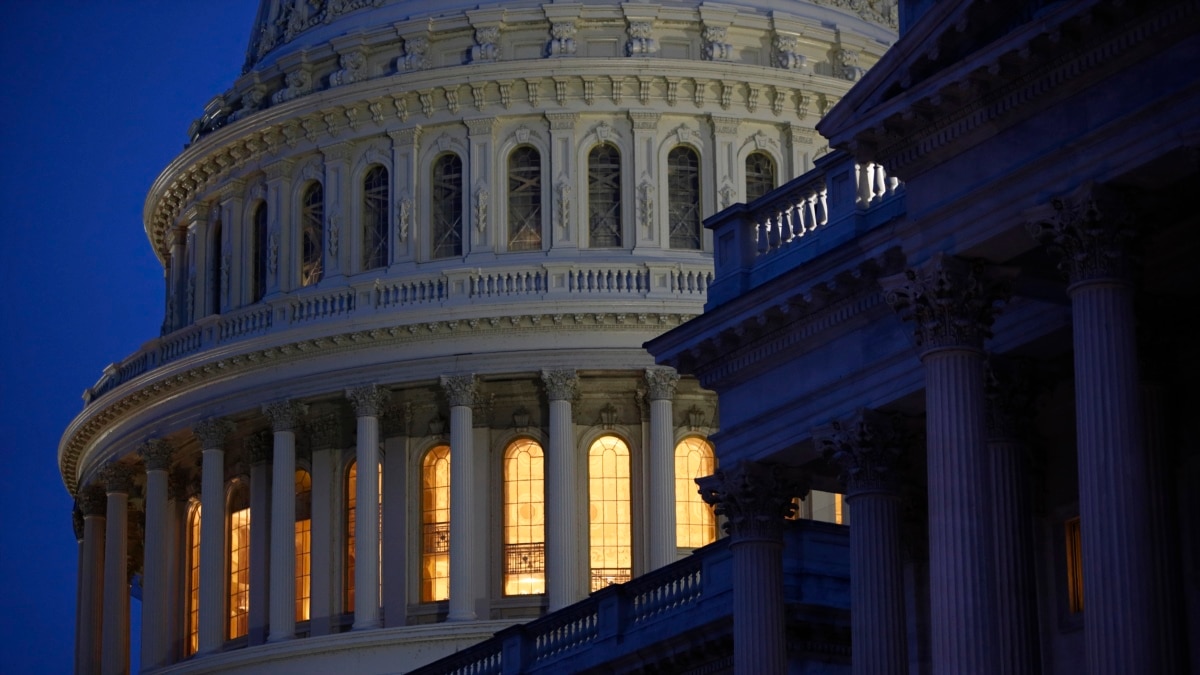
[(239, 572), (524, 519), (303, 544), (609, 512), (695, 524), (435, 524), (193, 581)]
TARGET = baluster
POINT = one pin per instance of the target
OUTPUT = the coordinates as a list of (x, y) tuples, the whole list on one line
[(760, 237)]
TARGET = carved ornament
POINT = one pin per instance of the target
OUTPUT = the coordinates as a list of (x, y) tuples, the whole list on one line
[(952, 302), (284, 415), (867, 448), (754, 498), (156, 454), (459, 389), (212, 432), (368, 400), (1091, 229), (661, 383), (561, 385)]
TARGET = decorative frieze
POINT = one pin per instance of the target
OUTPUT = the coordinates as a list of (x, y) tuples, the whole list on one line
[(212, 432), (351, 68), (157, 454), (414, 55), (459, 389), (1091, 229), (297, 83), (715, 46), (327, 432), (754, 497), (562, 39), (284, 415), (787, 55), (641, 41), (952, 301), (867, 447), (487, 47)]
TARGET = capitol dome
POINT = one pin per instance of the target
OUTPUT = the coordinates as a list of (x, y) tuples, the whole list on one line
[(418, 246)]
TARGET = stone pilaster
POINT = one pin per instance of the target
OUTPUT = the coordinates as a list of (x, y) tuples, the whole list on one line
[(118, 481), (368, 402), (460, 392), (326, 437), (1092, 229), (156, 455), (563, 581), (660, 391), (211, 621), (868, 449), (285, 417), (755, 498), (92, 504), (258, 453), (953, 303)]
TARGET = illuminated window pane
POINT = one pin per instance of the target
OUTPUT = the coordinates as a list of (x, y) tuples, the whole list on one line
[(312, 234), (303, 544), (525, 199), (435, 524), (695, 524), (609, 513), (604, 197), (239, 562), (1074, 540), (683, 197), (828, 507), (375, 218), (524, 519), (193, 582), (760, 175), (447, 186), (351, 523)]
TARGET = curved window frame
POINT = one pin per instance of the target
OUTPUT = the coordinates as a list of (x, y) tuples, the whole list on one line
[(695, 522), (312, 234), (610, 512), (605, 216), (524, 515), (524, 199), (762, 175), (237, 558), (446, 233), (376, 199), (684, 228), (192, 581), (303, 541), (435, 524)]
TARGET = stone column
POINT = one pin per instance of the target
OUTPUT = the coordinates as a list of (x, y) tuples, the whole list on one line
[(1092, 228), (368, 402), (327, 437), (460, 392), (755, 498), (258, 452), (1010, 409), (394, 591), (114, 650), (868, 448), (562, 498), (175, 622), (156, 454), (211, 622), (92, 502), (660, 489), (285, 417), (80, 579), (953, 304)]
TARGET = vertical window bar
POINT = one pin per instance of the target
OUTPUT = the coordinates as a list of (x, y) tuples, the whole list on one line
[(375, 219), (446, 202), (525, 199), (604, 197), (312, 234), (760, 175), (683, 198)]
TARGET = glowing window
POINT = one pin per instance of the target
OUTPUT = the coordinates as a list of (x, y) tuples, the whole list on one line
[(760, 175), (214, 268), (303, 544), (312, 234), (351, 524), (524, 519), (375, 218), (604, 196), (609, 513), (446, 206), (435, 524), (1074, 541), (239, 561), (258, 257), (683, 197), (525, 199), (695, 524), (193, 580), (827, 507)]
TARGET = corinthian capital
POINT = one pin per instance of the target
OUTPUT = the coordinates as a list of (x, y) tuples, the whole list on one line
[(1091, 229), (460, 389), (92, 501), (561, 385), (754, 497), (259, 447), (368, 400), (284, 415), (952, 301), (212, 432), (156, 454), (867, 447), (117, 478), (660, 383)]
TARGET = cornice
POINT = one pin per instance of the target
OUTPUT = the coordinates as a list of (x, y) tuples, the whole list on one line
[(181, 377)]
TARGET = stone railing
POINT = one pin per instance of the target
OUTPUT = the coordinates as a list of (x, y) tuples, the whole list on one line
[(377, 298), (826, 207)]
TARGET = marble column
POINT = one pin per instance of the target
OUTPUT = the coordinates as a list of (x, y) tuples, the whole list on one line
[(868, 448), (156, 455), (1009, 410), (114, 649), (953, 302), (175, 623), (285, 417), (92, 502), (259, 451), (1092, 228), (755, 498), (660, 488), (211, 622), (368, 402), (80, 579), (563, 582), (394, 591), (327, 437), (460, 392)]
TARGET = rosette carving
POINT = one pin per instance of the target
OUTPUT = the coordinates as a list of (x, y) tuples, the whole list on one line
[(754, 497)]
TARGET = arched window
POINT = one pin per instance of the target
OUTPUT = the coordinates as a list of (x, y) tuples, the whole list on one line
[(351, 526), (683, 197), (604, 196), (446, 206), (215, 281), (239, 560), (525, 199), (193, 580), (695, 524), (375, 218), (435, 524), (524, 519), (609, 514), (312, 234), (760, 175), (258, 253), (303, 544)]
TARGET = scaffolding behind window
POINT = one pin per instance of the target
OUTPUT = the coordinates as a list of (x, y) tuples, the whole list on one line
[(760, 175), (695, 524), (683, 197), (604, 197), (312, 234), (303, 544), (193, 580), (446, 207), (375, 218), (525, 199)]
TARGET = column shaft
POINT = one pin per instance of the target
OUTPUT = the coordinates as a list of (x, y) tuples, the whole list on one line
[(759, 633), (661, 488), (366, 532), (212, 552), (283, 538), (325, 600), (91, 607), (463, 548), (879, 640), (562, 508), (1016, 590), (394, 592), (115, 648), (260, 550), (155, 605)]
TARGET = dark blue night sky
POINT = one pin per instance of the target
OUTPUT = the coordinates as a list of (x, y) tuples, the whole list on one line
[(97, 98)]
